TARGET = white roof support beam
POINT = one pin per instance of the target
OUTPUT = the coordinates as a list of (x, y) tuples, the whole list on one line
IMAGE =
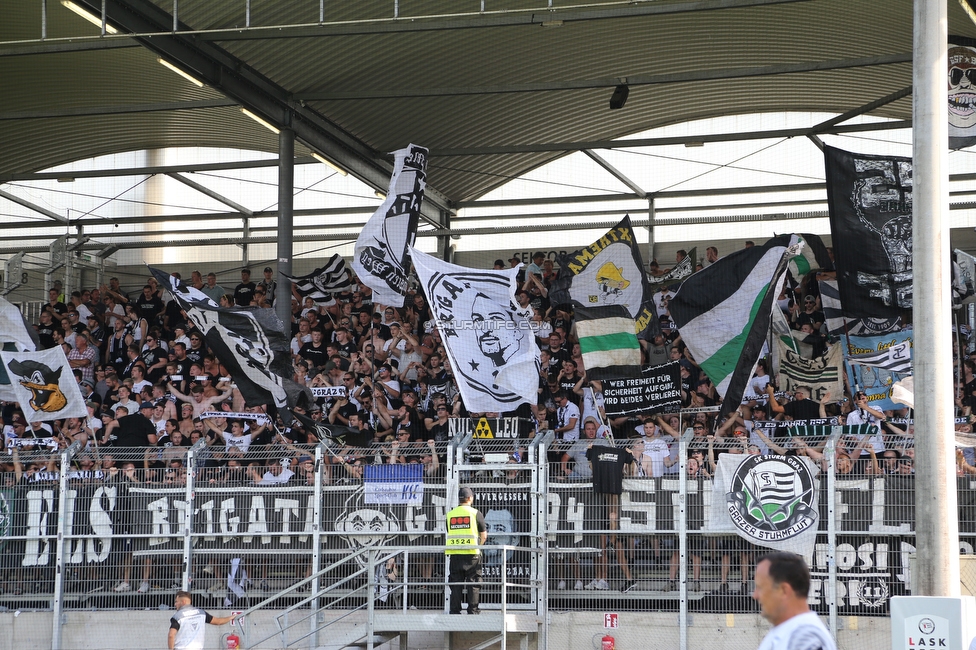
[(211, 193), (616, 173), (54, 216)]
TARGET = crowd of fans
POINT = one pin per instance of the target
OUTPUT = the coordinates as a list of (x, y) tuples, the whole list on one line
[(153, 389), (148, 378)]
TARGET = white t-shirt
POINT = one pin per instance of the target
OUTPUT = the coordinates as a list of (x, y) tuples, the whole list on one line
[(191, 627), (657, 450), (565, 414), (241, 443), (857, 416), (803, 632)]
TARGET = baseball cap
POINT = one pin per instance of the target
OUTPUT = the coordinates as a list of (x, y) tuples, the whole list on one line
[(304, 459), (146, 405), (465, 493), (267, 269)]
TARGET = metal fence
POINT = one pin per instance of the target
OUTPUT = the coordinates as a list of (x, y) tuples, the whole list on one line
[(125, 530)]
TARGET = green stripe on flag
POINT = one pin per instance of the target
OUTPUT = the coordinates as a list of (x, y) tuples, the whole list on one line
[(604, 342), (723, 362)]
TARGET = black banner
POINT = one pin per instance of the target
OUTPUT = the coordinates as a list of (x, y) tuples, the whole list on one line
[(657, 388), (870, 204), (875, 520)]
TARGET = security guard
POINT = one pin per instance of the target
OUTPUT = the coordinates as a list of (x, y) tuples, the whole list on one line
[(466, 530)]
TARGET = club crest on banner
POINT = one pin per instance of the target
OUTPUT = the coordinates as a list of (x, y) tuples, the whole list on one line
[(772, 498)]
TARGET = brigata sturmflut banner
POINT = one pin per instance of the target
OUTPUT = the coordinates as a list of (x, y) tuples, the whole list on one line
[(874, 517)]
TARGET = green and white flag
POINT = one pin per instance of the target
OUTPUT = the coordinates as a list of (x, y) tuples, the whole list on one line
[(608, 341), (812, 257), (820, 374), (724, 312)]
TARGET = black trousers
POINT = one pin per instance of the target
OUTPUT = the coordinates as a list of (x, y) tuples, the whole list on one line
[(465, 568)]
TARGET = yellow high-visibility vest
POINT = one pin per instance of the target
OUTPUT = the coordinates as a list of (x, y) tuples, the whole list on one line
[(462, 531)]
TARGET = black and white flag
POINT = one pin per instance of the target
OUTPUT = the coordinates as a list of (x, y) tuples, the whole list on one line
[(609, 272), (492, 349), (15, 336), (43, 385), (321, 283), (870, 204), (679, 271), (249, 341), (381, 256), (963, 277), (838, 325)]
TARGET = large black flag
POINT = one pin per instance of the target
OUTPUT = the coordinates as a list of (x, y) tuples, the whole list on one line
[(870, 203), (249, 341)]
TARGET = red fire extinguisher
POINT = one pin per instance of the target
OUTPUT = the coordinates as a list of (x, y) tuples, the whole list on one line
[(233, 642), (607, 643)]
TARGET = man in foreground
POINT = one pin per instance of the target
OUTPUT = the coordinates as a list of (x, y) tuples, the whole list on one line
[(186, 628), (782, 585)]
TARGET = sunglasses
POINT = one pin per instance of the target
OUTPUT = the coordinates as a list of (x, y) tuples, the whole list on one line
[(956, 75)]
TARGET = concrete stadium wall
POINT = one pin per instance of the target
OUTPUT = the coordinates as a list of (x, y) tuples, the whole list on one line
[(147, 630)]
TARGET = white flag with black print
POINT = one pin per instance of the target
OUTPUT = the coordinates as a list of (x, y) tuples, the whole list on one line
[(680, 271), (249, 341), (769, 500), (380, 258), (44, 385), (15, 336), (320, 284), (492, 349)]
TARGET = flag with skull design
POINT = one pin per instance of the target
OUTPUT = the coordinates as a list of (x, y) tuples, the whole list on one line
[(870, 203), (962, 96)]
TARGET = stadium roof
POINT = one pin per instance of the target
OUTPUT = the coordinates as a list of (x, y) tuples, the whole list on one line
[(495, 88)]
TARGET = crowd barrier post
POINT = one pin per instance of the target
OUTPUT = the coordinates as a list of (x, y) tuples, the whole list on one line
[(57, 605), (682, 522), (192, 472), (830, 451), (320, 451)]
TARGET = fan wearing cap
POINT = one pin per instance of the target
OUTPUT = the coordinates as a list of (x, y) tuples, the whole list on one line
[(466, 530), (808, 314), (269, 284), (135, 430)]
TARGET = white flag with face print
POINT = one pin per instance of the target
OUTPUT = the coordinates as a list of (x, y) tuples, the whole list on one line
[(492, 350)]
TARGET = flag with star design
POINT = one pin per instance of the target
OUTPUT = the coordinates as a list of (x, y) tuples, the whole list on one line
[(491, 347)]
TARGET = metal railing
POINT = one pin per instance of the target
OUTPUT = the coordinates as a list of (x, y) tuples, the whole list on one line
[(121, 538)]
